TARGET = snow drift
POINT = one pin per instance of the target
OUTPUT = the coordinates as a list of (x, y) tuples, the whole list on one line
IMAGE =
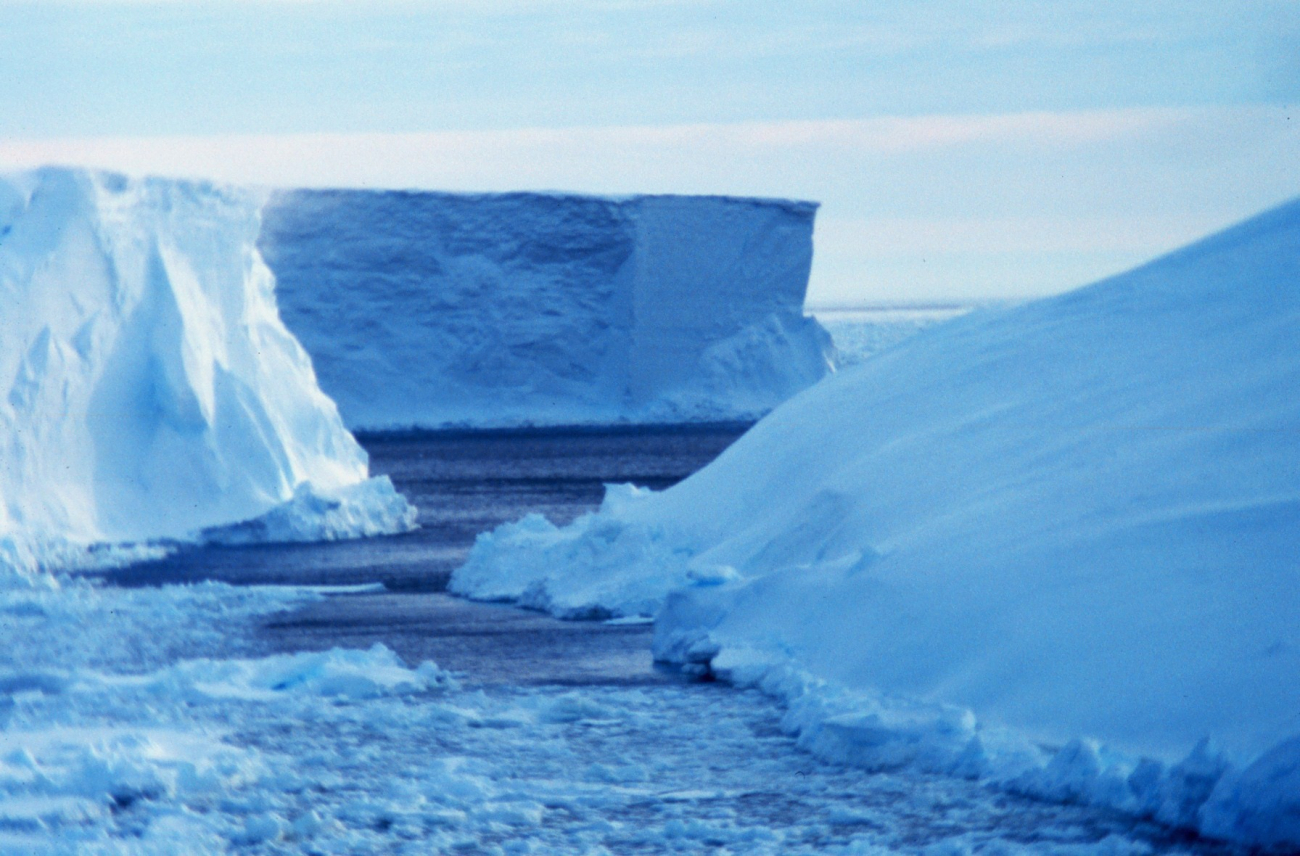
[(1071, 522), (150, 390), (436, 309)]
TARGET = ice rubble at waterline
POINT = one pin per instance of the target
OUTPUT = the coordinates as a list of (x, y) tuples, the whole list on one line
[(147, 720), (1066, 524), (151, 720), (151, 391)]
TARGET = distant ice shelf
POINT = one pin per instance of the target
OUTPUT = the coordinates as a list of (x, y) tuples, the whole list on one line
[(433, 310)]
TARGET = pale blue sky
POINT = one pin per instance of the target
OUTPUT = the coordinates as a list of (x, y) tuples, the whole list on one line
[(959, 148)]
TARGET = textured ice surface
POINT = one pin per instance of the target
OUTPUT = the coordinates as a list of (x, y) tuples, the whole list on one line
[(1075, 518), (144, 722), (148, 389), (438, 309)]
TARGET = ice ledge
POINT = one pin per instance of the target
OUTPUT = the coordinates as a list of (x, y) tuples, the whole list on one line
[(366, 509), (1207, 792), (148, 389)]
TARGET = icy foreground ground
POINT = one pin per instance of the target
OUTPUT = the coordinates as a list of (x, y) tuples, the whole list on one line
[(150, 390), (143, 721), (1072, 522), (436, 309)]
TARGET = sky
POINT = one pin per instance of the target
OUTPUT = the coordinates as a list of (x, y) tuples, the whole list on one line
[(960, 150)]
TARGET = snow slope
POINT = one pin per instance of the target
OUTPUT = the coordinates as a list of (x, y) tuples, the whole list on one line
[(437, 309), (1073, 521), (149, 389)]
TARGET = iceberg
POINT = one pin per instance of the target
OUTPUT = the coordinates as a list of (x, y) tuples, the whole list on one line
[(1051, 546), (436, 310), (148, 389)]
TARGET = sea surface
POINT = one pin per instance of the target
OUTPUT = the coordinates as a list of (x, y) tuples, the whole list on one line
[(168, 711), (463, 483)]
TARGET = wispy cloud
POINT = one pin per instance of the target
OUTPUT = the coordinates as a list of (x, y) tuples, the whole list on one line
[(220, 66), (549, 157), (928, 206)]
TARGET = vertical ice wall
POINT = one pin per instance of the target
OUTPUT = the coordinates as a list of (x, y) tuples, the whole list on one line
[(437, 309), (718, 329), (147, 386)]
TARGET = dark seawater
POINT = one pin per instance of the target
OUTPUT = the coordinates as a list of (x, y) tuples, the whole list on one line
[(463, 483)]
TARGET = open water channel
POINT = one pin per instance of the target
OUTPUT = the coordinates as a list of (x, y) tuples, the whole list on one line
[(560, 737)]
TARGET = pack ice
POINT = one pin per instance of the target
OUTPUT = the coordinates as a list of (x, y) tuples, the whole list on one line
[(1052, 546), (150, 390), (435, 309)]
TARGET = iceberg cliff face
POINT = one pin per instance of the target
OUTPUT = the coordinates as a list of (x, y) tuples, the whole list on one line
[(148, 389), (435, 309), (1072, 522)]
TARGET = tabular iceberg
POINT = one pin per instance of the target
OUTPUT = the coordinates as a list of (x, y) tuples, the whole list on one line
[(436, 309), (1074, 520), (149, 389)]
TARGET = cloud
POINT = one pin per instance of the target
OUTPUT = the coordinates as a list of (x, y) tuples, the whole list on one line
[(925, 206), (672, 155)]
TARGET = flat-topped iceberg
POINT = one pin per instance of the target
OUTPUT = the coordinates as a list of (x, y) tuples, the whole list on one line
[(1068, 524), (436, 309), (148, 389)]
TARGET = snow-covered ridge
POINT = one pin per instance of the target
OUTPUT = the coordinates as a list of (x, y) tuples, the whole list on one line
[(437, 309), (1069, 523), (148, 389)]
